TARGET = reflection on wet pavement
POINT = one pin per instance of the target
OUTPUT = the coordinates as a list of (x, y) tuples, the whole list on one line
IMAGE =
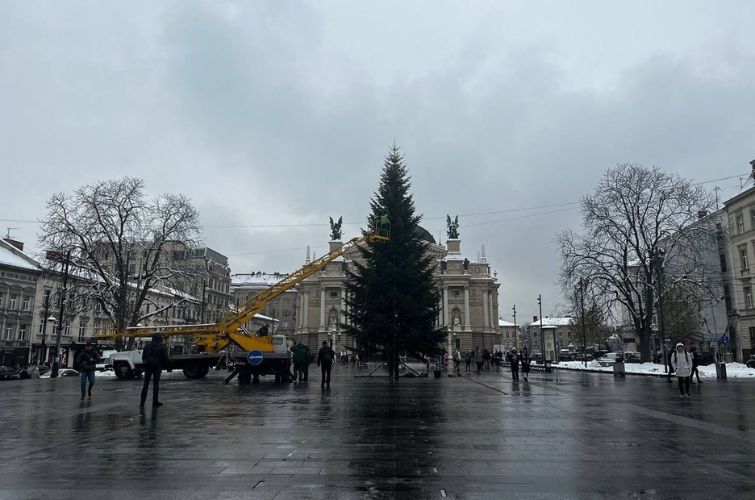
[(562, 435)]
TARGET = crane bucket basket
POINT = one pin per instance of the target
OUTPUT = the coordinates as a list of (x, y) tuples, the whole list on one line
[(382, 230)]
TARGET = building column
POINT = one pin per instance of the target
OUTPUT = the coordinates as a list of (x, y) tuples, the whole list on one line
[(342, 312), (300, 316), (445, 306), (322, 308), (466, 308), (305, 313), (485, 309)]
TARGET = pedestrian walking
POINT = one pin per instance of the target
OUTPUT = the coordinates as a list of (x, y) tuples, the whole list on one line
[(301, 358), (478, 359), (325, 362), (86, 363), (457, 362), (696, 358), (498, 356), (486, 357), (154, 360), (682, 363), (468, 362), (514, 360), (525, 360), (668, 364)]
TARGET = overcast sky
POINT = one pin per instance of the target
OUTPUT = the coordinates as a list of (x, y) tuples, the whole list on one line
[(280, 113)]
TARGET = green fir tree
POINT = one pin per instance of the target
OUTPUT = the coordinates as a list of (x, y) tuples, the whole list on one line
[(392, 301)]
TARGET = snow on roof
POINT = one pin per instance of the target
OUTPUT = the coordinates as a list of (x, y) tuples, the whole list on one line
[(11, 256), (554, 322), (266, 318), (259, 279), (166, 290), (502, 322)]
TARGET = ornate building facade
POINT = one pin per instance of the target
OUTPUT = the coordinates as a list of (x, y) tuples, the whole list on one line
[(467, 311)]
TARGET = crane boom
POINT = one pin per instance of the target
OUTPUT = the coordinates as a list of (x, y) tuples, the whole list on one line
[(228, 328)]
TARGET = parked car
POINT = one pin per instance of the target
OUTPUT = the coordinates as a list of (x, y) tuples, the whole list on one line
[(581, 357), (599, 353), (567, 355), (632, 357), (610, 358), (706, 358), (10, 373), (63, 372)]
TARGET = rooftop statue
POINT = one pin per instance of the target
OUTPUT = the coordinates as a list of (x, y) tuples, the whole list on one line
[(453, 227), (335, 229)]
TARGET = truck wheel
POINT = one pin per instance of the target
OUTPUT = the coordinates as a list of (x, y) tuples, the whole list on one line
[(123, 371), (192, 370), (205, 371)]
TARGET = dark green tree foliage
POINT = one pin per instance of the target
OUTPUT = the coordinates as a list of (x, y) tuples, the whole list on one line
[(392, 300)]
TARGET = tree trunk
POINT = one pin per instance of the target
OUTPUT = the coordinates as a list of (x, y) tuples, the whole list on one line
[(645, 335)]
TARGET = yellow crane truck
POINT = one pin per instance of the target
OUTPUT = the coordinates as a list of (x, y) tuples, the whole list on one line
[(252, 354)]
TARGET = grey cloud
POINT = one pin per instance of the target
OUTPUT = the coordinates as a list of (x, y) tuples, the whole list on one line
[(277, 112)]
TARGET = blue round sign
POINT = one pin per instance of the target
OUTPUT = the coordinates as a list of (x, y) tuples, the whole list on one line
[(254, 358)]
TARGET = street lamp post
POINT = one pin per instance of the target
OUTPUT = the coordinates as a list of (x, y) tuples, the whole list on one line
[(658, 257), (542, 334), (516, 335), (61, 324), (42, 357), (584, 330)]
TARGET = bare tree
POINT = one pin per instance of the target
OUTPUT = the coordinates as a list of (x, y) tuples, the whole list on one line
[(122, 246), (637, 221), (592, 314)]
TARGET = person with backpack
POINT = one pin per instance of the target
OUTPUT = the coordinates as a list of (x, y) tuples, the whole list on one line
[(514, 360), (85, 363), (682, 363), (325, 362), (154, 359), (696, 358)]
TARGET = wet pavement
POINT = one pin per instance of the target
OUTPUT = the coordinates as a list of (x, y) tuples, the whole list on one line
[(562, 435)]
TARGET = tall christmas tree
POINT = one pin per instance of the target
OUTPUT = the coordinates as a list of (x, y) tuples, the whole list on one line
[(392, 301)]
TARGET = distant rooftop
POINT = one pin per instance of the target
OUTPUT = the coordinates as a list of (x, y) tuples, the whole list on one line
[(10, 255), (259, 278), (554, 322)]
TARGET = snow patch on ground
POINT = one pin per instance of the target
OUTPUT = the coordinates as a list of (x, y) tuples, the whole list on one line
[(733, 370)]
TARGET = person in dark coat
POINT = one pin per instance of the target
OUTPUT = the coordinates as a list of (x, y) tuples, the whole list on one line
[(670, 368), (86, 363), (301, 358), (514, 360), (154, 359), (525, 359), (325, 361), (696, 358)]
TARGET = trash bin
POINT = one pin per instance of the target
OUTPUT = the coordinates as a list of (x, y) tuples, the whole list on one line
[(619, 369), (721, 370), (548, 368)]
